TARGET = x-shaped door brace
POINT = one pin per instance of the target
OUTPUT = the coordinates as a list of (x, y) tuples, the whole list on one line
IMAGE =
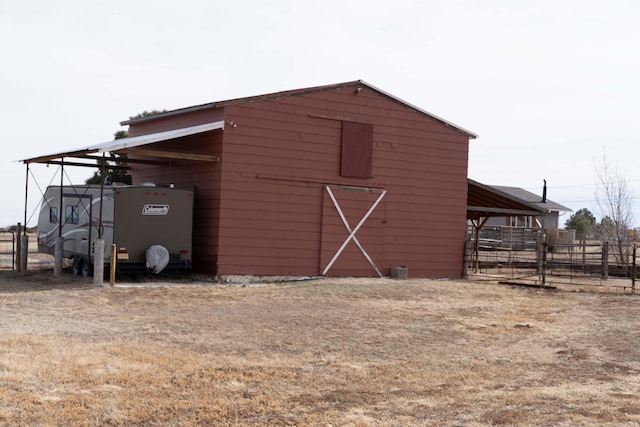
[(352, 232)]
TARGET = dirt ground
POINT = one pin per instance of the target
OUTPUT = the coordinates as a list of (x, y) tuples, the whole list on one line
[(328, 352)]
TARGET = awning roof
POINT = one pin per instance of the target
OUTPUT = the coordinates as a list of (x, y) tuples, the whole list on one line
[(484, 201), (130, 145)]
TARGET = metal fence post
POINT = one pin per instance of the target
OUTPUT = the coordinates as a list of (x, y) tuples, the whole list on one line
[(545, 246), (539, 250), (476, 250)]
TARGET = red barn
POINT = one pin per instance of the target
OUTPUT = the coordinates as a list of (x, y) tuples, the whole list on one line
[(337, 180)]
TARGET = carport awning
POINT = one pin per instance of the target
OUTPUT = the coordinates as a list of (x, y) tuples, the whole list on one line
[(132, 145), (484, 201)]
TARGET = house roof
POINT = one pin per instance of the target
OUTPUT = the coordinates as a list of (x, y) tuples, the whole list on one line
[(276, 95), (532, 199)]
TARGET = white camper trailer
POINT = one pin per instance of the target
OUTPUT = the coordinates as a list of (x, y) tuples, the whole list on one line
[(151, 226)]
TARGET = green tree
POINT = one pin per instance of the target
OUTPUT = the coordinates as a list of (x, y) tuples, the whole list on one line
[(116, 163), (583, 222), (120, 134)]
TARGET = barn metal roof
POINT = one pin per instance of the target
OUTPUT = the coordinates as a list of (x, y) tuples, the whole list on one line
[(353, 84), (133, 143), (130, 144)]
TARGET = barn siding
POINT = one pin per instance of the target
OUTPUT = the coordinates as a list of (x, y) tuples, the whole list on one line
[(263, 210), (295, 141)]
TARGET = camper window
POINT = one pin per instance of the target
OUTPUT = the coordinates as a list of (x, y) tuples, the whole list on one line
[(71, 214), (53, 215)]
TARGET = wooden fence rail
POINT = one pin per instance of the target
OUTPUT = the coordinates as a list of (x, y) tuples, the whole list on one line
[(531, 259)]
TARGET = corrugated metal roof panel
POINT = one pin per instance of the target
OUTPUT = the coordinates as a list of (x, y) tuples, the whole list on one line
[(125, 143)]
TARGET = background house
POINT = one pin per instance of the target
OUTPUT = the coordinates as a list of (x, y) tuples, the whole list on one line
[(340, 180)]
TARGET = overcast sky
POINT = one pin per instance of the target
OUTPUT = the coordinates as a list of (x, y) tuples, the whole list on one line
[(547, 85)]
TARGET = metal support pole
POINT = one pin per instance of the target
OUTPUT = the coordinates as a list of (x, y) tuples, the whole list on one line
[(544, 263), (476, 247), (18, 244), (60, 212), (59, 248), (26, 195), (102, 169), (21, 260)]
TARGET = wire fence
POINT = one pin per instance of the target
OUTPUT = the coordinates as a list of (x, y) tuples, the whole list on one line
[(529, 257), (7, 250)]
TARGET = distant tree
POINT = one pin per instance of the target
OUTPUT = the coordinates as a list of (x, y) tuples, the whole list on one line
[(115, 159), (115, 164), (605, 223), (583, 222), (146, 113), (615, 201), (121, 134)]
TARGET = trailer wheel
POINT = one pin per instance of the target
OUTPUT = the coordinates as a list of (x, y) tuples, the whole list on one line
[(86, 269), (75, 268)]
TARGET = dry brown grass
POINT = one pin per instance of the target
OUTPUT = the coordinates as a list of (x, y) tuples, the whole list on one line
[(347, 352)]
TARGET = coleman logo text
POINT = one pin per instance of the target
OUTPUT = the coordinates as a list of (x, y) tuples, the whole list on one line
[(155, 209)]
